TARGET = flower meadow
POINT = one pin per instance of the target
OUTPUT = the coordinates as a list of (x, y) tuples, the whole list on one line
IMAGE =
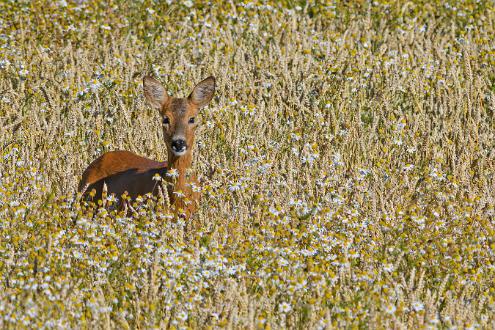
[(347, 163)]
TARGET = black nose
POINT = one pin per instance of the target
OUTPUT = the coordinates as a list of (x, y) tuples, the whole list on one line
[(179, 145)]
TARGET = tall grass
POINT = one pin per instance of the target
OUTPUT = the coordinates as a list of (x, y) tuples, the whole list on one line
[(347, 160)]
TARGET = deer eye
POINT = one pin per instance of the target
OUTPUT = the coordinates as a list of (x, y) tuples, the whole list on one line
[(166, 121), (191, 120)]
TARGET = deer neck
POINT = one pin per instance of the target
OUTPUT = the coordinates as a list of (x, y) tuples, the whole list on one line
[(181, 164)]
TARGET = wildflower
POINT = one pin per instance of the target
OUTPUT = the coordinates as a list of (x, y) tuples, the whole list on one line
[(388, 268), (310, 158), (284, 307), (295, 136), (337, 160), (235, 187), (390, 309), (195, 188), (354, 254), (420, 220), (308, 253), (282, 262), (417, 306), (94, 85), (182, 316), (261, 322), (264, 168), (274, 211), (472, 326), (232, 271), (363, 173), (106, 309), (267, 85), (80, 94), (248, 111), (173, 173), (411, 150), (4, 63), (179, 194), (23, 73), (157, 177), (436, 174), (296, 203)]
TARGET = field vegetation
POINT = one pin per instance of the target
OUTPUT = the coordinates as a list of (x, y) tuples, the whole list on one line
[(347, 161)]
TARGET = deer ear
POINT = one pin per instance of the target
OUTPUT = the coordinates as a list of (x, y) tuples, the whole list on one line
[(203, 92), (154, 92)]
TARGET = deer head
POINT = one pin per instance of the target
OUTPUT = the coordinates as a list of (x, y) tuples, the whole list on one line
[(178, 115)]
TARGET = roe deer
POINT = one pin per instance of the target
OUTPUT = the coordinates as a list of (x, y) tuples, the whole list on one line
[(124, 171)]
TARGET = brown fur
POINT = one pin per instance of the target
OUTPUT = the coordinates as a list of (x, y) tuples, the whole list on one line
[(124, 171), (118, 169)]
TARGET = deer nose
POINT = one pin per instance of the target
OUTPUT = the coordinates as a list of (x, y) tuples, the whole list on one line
[(179, 145)]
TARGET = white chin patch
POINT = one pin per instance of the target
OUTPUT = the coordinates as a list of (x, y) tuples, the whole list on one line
[(179, 153)]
